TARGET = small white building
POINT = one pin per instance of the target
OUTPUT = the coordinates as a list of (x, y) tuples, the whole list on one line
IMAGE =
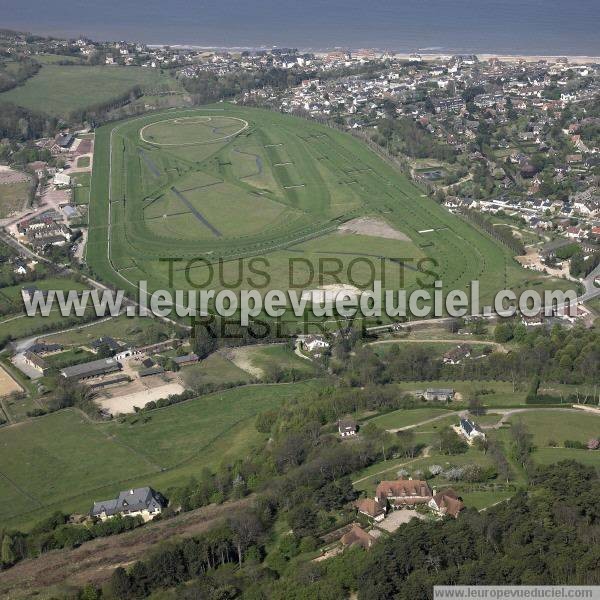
[(470, 430), (315, 343)]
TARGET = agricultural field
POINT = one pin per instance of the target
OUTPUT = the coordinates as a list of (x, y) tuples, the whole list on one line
[(162, 448), (86, 86), (260, 190)]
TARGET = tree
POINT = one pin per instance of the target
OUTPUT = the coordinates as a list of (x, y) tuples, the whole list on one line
[(246, 529), (449, 442), (104, 351), (119, 586), (205, 341), (503, 332), (7, 553), (476, 407), (303, 520), (522, 444)]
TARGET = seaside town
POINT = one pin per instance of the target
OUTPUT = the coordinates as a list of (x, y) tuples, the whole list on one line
[(514, 138)]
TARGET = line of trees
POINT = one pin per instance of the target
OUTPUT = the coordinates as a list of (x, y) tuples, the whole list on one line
[(503, 234), (16, 73), (559, 355)]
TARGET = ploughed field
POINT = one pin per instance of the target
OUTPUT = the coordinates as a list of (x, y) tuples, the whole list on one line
[(228, 183)]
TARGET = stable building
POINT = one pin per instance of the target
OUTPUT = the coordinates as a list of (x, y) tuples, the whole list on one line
[(95, 368)]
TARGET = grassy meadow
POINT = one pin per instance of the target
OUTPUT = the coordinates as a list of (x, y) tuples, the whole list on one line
[(64, 461), (58, 90), (13, 197)]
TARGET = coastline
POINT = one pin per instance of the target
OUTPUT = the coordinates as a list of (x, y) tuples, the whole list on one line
[(428, 56)]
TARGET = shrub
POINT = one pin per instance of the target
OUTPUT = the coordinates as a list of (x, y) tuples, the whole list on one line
[(575, 444)]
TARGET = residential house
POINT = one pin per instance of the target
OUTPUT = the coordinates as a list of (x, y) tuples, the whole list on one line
[(446, 502), (574, 233), (403, 493), (63, 141), (144, 502), (470, 430), (347, 427), (533, 320), (357, 537), (371, 508), (36, 362), (549, 250), (42, 348), (443, 394), (314, 343)]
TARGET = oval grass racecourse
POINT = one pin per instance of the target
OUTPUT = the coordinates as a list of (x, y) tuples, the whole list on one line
[(189, 131), (278, 188)]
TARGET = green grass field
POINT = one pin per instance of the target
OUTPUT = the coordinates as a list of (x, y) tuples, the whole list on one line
[(277, 190), (63, 461), (131, 330), (17, 324), (58, 90), (13, 197), (215, 369), (403, 418), (81, 191), (281, 357), (556, 426)]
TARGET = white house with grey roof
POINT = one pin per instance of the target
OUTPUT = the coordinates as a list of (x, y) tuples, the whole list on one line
[(470, 430), (144, 502)]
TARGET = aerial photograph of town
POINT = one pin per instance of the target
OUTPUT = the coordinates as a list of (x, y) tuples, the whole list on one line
[(299, 300)]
